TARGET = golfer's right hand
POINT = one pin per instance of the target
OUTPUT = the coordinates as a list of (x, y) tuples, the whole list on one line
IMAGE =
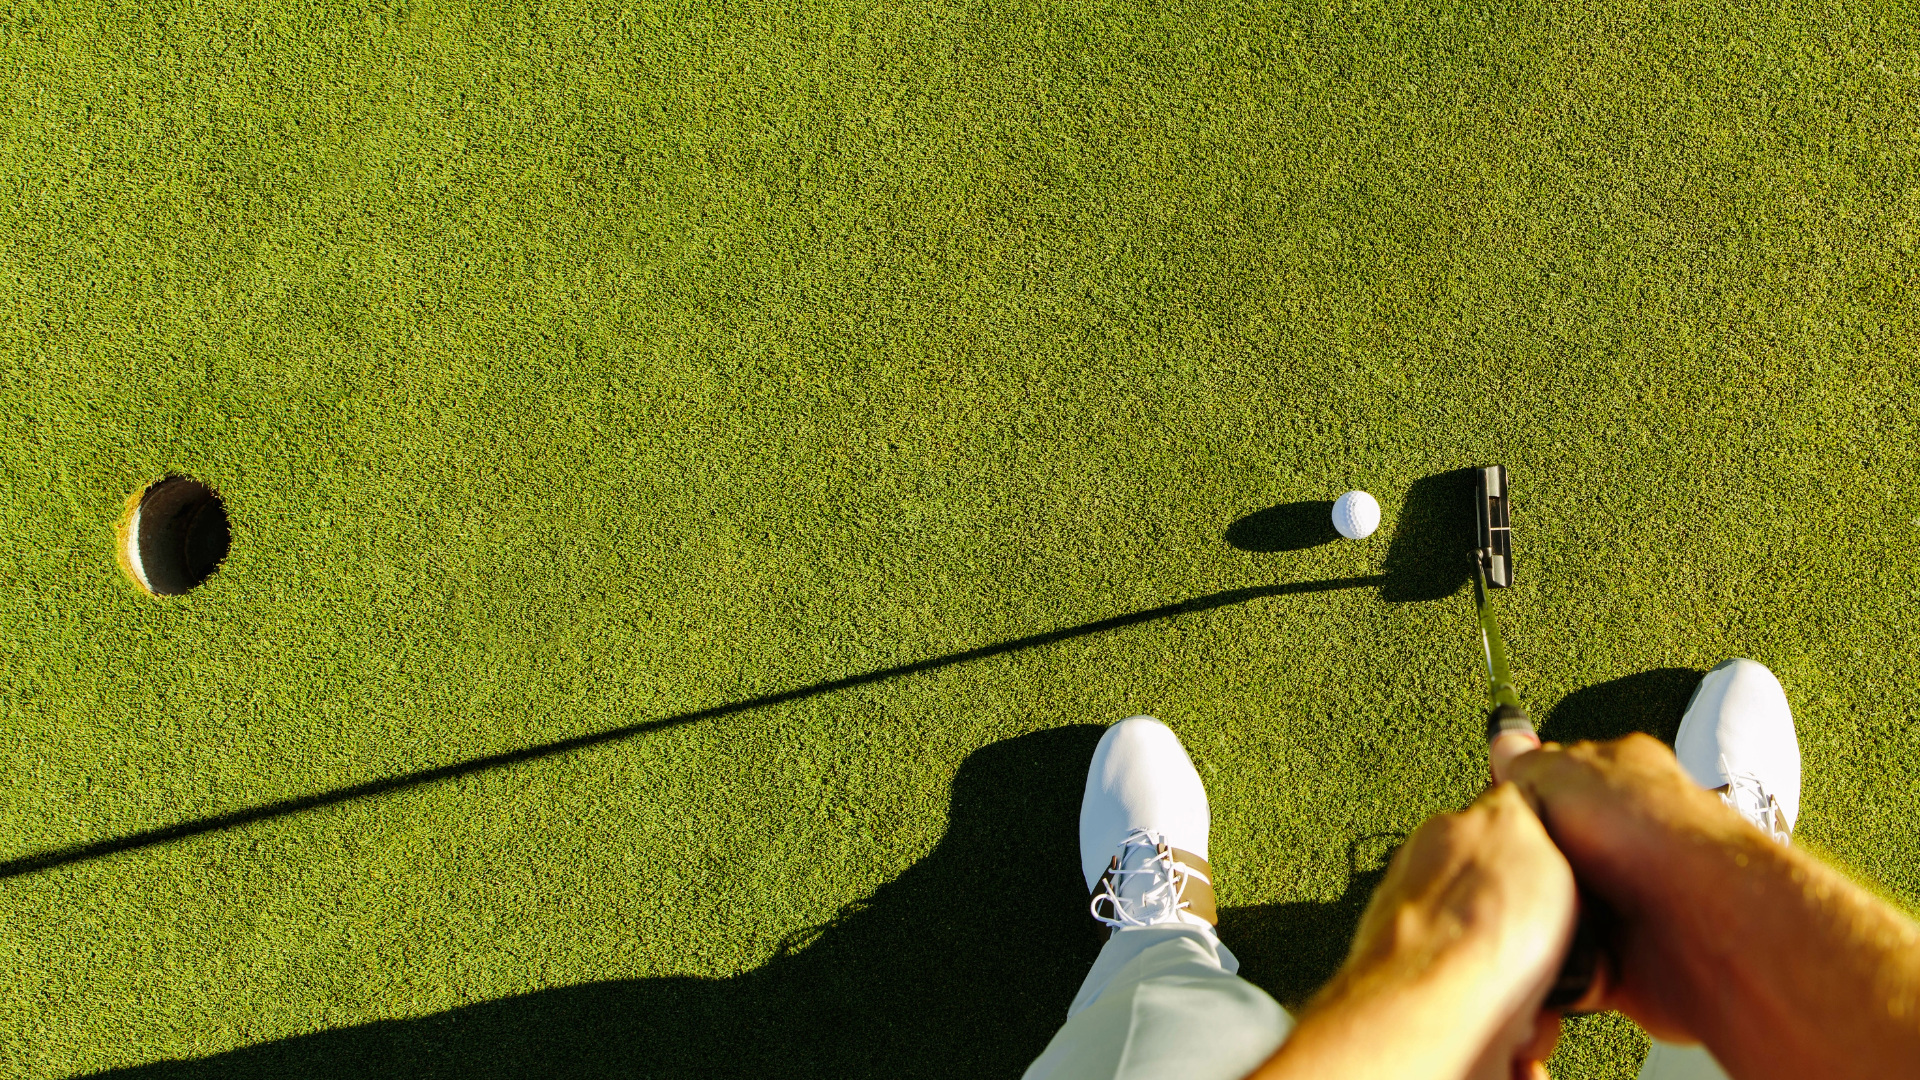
[(1451, 960), (1479, 902)]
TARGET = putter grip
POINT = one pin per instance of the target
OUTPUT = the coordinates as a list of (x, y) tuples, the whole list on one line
[(1505, 718), (1582, 963)]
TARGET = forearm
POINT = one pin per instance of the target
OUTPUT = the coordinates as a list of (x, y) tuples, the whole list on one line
[(1793, 969)]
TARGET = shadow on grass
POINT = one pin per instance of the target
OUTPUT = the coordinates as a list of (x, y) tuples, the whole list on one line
[(96, 849), (1649, 701), (1291, 950), (1287, 527), (1431, 556), (1421, 565), (961, 967)]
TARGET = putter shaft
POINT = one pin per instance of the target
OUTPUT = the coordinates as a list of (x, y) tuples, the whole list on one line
[(1504, 713)]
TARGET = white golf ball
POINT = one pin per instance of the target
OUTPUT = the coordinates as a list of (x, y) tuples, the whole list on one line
[(1356, 515)]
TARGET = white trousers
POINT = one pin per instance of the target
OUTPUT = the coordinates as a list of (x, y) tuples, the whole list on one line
[(1669, 1062), (1167, 1001), (1164, 1001)]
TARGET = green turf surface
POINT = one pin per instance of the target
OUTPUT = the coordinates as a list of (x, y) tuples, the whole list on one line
[(571, 369)]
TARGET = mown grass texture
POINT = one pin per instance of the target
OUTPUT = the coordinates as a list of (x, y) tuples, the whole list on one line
[(568, 368)]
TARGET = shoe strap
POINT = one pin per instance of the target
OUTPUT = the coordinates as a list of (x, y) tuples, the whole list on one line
[(1196, 887)]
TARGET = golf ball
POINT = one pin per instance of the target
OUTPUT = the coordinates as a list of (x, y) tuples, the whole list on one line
[(1355, 515)]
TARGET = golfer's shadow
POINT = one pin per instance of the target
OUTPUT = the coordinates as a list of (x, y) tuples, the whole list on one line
[(1648, 701), (963, 966)]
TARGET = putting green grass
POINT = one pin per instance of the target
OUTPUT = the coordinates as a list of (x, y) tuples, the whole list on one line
[(832, 405)]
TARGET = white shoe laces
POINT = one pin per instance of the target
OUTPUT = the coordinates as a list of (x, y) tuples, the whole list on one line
[(1751, 800), (1159, 901)]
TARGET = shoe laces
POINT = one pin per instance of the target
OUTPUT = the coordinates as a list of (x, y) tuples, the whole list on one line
[(1157, 899), (1750, 798)]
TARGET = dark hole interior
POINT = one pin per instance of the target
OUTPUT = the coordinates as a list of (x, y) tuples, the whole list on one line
[(183, 534)]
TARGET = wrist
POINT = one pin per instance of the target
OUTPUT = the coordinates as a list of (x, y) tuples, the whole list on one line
[(1710, 890), (1691, 858), (1782, 966)]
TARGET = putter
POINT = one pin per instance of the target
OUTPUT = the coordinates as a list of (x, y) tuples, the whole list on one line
[(1493, 569)]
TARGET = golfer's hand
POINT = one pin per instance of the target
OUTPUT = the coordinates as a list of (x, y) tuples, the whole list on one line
[(1452, 958), (1634, 827)]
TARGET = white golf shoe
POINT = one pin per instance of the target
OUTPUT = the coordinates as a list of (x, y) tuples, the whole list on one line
[(1737, 738), (1162, 998), (1143, 831)]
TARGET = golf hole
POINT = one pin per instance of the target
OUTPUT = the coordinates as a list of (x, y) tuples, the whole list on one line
[(174, 536)]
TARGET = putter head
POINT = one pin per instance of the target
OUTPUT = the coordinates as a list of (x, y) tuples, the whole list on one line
[(1495, 535)]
